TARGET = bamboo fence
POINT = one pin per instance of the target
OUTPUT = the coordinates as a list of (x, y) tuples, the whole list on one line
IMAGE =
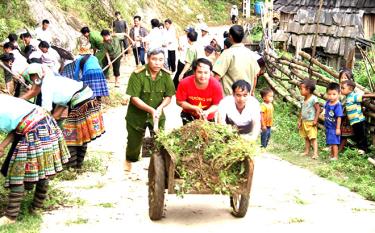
[(285, 74)]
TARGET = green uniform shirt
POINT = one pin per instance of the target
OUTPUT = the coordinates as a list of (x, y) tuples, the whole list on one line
[(191, 53), (152, 92), (235, 63), (113, 48), (96, 40)]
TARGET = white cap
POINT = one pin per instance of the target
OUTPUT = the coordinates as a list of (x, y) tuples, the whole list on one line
[(204, 27)]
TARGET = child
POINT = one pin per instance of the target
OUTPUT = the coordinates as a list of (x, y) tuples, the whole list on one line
[(332, 119), (346, 129), (266, 111), (354, 112), (37, 152), (308, 120)]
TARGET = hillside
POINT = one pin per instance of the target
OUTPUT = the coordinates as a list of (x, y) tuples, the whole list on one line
[(68, 16)]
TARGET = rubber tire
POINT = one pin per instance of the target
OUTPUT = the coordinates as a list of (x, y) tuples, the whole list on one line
[(240, 210), (156, 186)]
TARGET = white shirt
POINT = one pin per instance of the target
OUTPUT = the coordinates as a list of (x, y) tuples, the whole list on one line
[(184, 44), (249, 115), (44, 35), (204, 40), (58, 90), (171, 38), (18, 56), (51, 59), (234, 11), (154, 39), (20, 62), (136, 35)]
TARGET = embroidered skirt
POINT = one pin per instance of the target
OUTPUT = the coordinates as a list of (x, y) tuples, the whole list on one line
[(39, 153), (84, 123), (95, 79)]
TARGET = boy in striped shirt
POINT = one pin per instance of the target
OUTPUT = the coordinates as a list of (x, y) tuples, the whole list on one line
[(355, 115)]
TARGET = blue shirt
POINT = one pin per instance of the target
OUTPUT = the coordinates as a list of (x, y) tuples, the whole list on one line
[(91, 63), (12, 111), (332, 112)]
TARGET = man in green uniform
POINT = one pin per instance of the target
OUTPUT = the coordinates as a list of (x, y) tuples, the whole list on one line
[(237, 62), (112, 49), (151, 89), (96, 41)]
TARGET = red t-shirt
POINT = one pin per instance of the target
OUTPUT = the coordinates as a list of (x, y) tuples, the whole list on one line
[(204, 98)]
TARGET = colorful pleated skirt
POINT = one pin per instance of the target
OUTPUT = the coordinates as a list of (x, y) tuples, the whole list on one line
[(96, 80), (40, 152), (84, 123), (69, 70)]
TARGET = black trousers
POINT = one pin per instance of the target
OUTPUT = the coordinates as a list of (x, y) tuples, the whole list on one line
[(180, 67), (172, 60), (125, 44), (360, 137)]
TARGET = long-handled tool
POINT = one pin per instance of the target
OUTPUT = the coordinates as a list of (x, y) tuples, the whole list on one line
[(122, 53), (17, 77)]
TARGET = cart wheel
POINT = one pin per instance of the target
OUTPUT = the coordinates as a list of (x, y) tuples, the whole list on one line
[(156, 186), (239, 203)]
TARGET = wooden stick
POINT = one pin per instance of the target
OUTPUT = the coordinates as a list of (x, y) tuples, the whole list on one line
[(122, 53), (15, 76), (316, 62), (299, 63), (111, 62), (371, 84), (304, 68), (317, 28)]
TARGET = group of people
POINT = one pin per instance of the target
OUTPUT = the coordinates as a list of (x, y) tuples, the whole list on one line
[(49, 114), (199, 90), (343, 117), (56, 108)]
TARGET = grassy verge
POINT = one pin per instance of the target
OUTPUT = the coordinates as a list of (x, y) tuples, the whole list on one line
[(29, 223), (351, 170)]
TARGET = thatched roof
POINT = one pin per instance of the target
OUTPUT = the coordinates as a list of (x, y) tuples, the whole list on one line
[(353, 6)]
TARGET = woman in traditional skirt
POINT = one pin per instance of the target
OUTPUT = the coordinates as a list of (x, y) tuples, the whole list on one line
[(87, 66), (84, 122), (38, 152)]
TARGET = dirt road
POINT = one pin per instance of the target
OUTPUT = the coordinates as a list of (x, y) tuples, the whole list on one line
[(283, 198)]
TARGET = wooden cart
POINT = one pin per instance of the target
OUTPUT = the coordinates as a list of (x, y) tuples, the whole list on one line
[(161, 176)]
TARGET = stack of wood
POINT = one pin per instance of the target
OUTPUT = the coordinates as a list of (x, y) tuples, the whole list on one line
[(285, 74)]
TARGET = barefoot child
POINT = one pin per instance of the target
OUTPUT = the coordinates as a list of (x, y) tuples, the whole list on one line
[(355, 115), (308, 120), (37, 152), (266, 111), (332, 119)]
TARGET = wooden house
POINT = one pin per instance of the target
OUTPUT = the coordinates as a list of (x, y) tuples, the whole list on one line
[(342, 24)]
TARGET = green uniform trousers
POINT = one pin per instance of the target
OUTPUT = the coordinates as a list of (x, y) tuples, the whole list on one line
[(136, 134)]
